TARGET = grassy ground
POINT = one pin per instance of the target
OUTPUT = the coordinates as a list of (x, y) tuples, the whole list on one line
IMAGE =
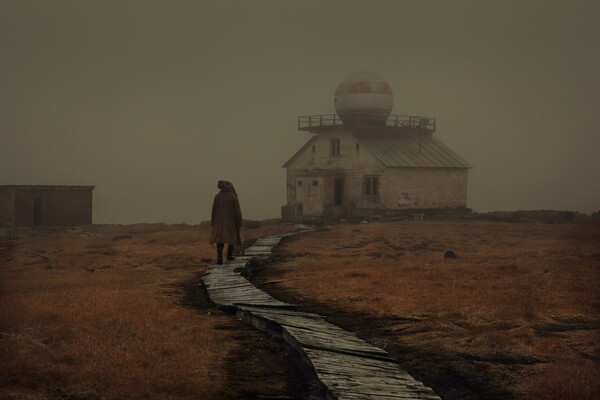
[(516, 315), (84, 316)]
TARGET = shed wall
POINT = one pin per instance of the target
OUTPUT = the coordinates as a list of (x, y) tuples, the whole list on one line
[(7, 208), (61, 207)]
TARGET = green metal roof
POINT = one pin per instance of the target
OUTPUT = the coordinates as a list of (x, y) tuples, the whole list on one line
[(405, 151)]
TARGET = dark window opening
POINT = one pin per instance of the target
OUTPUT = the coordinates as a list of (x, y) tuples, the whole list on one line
[(314, 148), (299, 208), (335, 147), (357, 147), (299, 183), (371, 186), (38, 211), (315, 183)]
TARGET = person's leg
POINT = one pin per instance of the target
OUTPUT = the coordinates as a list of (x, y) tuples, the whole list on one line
[(220, 247), (230, 252)]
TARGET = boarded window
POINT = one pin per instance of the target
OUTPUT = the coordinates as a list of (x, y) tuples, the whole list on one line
[(335, 147), (371, 186)]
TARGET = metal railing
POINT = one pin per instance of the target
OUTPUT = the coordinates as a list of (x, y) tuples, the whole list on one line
[(366, 120)]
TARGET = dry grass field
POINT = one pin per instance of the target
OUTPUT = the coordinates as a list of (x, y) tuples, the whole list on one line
[(83, 316), (515, 315)]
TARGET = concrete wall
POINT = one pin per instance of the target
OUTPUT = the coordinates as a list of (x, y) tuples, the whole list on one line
[(7, 208), (321, 157), (350, 164), (399, 188), (423, 188), (61, 207)]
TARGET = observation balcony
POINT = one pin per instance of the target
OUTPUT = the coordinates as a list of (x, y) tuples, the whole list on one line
[(316, 123)]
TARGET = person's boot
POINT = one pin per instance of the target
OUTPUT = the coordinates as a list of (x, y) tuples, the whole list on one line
[(220, 253), (230, 252)]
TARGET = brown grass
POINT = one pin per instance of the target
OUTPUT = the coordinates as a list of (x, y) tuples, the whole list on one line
[(89, 315), (517, 291), (568, 380)]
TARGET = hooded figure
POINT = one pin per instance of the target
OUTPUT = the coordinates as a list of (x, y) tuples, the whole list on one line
[(226, 219)]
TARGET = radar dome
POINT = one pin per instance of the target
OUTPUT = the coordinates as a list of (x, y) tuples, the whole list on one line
[(364, 96)]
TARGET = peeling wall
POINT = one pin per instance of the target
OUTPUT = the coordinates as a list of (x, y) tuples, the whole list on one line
[(7, 208), (61, 207), (399, 187)]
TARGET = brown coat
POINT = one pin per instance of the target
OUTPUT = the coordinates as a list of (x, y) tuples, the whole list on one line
[(226, 216)]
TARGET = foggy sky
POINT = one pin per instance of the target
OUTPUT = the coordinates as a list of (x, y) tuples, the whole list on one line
[(154, 101)]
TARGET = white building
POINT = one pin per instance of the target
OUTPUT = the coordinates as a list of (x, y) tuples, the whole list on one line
[(365, 162)]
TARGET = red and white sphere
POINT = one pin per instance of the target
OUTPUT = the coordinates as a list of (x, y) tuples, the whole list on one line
[(364, 95)]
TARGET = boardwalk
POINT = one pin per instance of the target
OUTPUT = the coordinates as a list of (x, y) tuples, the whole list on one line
[(347, 366)]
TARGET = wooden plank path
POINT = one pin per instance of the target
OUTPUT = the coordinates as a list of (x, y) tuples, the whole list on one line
[(347, 366)]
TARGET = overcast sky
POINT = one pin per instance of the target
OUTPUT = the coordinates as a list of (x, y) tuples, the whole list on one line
[(154, 101)]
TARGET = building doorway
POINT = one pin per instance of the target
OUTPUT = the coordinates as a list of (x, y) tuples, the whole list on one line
[(38, 211), (338, 191), (309, 193)]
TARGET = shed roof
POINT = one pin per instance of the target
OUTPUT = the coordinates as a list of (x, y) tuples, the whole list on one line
[(46, 187), (406, 151)]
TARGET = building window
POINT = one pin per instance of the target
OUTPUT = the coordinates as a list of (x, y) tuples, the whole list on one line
[(371, 186), (315, 183), (335, 147), (299, 183), (357, 147), (314, 149)]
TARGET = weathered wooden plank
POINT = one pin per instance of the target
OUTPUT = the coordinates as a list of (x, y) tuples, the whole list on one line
[(289, 320), (349, 367), (339, 389), (268, 241), (260, 248), (365, 364), (246, 298), (257, 252), (332, 341), (216, 279), (229, 286), (241, 293), (235, 287), (343, 373), (267, 312)]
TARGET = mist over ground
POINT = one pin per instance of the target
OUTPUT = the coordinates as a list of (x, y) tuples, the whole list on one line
[(154, 102)]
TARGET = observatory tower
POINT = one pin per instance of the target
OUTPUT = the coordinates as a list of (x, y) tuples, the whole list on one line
[(364, 93), (365, 161)]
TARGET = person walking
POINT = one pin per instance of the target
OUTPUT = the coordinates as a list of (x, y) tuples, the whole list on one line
[(226, 220)]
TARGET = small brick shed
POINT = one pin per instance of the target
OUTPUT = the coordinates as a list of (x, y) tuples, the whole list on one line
[(31, 206)]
